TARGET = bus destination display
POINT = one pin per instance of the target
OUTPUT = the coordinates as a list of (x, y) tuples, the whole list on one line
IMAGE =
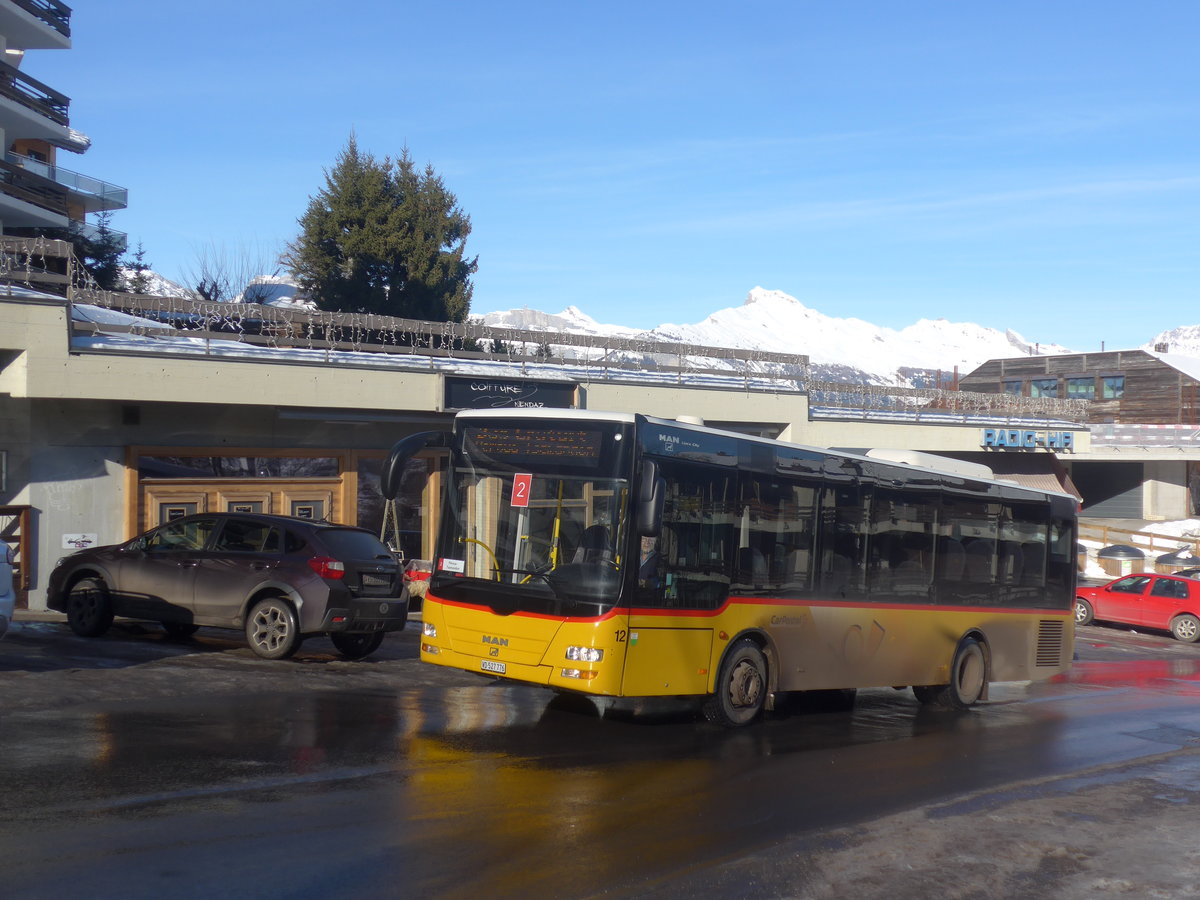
[(537, 445)]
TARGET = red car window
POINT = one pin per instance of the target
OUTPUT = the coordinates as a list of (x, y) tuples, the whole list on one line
[(1169, 587), (1134, 584)]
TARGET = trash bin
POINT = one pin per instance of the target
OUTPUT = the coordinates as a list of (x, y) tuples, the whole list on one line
[(1183, 558), (1121, 559)]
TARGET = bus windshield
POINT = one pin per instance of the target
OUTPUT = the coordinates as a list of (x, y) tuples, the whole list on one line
[(536, 517)]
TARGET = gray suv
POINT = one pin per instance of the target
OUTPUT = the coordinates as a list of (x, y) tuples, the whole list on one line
[(277, 578)]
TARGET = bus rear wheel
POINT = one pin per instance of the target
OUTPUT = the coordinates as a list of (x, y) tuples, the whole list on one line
[(968, 679), (741, 686)]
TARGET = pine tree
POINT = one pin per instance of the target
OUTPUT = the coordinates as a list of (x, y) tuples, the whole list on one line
[(381, 237), (100, 252), (138, 282)]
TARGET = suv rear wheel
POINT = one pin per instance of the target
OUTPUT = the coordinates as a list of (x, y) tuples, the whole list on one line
[(356, 646), (272, 629)]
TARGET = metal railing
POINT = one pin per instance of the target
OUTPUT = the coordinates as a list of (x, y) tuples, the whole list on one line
[(55, 14), (869, 401), (16, 182), (110, 195), (31, 93)]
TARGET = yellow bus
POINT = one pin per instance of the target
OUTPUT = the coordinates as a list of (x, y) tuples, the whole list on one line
[(620, 555)]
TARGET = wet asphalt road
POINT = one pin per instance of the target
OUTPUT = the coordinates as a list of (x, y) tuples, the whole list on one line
[(133, 766)]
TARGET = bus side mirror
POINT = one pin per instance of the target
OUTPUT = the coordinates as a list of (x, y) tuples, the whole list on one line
[(402, 451), (652, 490)]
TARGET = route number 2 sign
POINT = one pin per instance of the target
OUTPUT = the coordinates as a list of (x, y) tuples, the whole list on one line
[(522, 484)]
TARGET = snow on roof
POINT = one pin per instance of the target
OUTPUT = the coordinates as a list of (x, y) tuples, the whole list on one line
[(171, 342), (1188, 365), (98, 315)]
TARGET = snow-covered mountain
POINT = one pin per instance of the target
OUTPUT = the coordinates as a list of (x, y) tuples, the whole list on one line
[(156, 285), (1181, 341), (839, 349)]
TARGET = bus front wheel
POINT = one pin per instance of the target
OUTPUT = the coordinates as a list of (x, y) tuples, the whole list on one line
[(741, 686), (968, 679)]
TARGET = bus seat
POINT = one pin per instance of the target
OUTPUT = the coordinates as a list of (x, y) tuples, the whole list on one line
[(1033, 554), (952, 560), (594, 545), (979, 561)]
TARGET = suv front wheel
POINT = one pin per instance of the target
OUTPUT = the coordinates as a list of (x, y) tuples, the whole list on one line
[(272, 629)]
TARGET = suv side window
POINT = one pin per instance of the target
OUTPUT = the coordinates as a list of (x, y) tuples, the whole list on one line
[(181, 536), (243, 536)]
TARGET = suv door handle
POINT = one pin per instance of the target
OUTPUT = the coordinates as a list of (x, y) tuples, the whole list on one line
[(187, 564)]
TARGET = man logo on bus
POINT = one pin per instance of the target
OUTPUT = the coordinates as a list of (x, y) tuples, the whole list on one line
[(498, 641)]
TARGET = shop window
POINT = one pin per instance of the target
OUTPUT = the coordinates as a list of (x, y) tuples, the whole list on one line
[(1016, 388), (1081, 388), (169, 512), (308, 509), (1043, 387)]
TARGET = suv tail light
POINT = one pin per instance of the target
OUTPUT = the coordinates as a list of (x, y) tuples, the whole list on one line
[(328, 567)]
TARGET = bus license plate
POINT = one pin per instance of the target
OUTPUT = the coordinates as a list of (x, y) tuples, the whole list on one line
[(489, 665)]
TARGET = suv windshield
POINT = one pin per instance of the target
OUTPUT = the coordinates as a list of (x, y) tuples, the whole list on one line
[(536, 517)]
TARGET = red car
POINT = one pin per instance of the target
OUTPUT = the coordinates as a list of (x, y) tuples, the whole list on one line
[(1168, 602)]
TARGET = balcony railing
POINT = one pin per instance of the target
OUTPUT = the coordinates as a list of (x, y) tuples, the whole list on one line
[(92, 232), (110, 196), (30, 92), (55, 14), (15, 182)]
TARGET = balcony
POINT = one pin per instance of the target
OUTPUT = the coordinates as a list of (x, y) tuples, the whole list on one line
[(46, 196), (32, 94), (55, 14), (35, 24), (93, 194)]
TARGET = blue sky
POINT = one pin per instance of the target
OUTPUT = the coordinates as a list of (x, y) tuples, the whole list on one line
[(1024, 165)]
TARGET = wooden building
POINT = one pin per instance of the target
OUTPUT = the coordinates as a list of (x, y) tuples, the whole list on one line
[(1123, 386), (1143, 411)]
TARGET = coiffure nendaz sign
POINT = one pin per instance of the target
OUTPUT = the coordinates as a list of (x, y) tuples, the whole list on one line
[(1015, 439), (498, 393)]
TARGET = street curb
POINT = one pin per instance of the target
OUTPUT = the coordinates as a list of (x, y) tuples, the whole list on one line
[(38, 615)]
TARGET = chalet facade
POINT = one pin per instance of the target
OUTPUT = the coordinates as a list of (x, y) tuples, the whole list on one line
[(1143, 461)]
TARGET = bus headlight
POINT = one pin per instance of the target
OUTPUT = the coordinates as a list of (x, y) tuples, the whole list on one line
[(585, 654), (429, 629), (582, 675)]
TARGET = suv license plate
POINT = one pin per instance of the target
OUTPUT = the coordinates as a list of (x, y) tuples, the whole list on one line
[(489, 665), (376, 580)]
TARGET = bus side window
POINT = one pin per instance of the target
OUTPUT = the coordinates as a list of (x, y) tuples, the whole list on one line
[(697, 542), (972, 523), (844, 525), (900, 562)]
